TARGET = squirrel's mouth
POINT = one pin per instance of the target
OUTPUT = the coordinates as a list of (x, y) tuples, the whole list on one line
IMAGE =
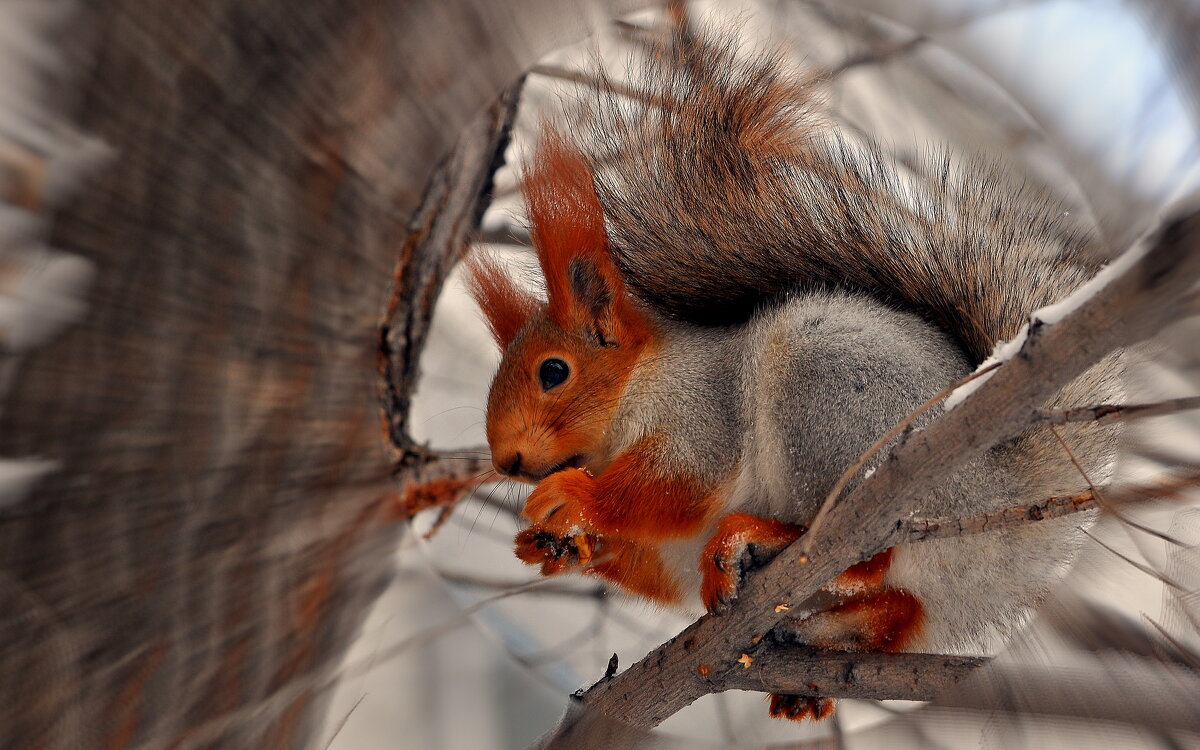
[(576, 461)]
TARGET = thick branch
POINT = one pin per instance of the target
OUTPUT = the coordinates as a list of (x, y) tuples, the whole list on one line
[(1118, 688), (804, 670), (1083, 690), (452, 205), (1132, 306)]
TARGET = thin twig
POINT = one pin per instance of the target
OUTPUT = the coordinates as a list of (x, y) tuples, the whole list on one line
[(1157, 575), (876, 55), (1105, 412), (922, 529), (506, 234), (1107, 506), (649, 38), (597, 82), (342, 724), (558, 588)]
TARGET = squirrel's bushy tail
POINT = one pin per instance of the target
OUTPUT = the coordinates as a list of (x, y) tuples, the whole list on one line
[(723, 187)]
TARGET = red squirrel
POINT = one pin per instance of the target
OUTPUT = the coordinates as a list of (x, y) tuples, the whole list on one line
[(738, 303)]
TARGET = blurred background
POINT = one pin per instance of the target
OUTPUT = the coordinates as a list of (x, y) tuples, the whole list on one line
[(208, 210)]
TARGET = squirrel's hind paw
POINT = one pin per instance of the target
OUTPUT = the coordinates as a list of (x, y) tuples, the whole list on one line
[(801, 707), (742, 543)]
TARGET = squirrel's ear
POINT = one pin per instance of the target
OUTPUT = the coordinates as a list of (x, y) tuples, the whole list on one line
[(506, 306), (583, 284)]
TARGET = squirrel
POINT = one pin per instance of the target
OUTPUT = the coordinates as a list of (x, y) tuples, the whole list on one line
[(739, 302)]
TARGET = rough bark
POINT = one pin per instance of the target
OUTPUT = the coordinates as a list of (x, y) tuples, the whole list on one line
[(220, 519)]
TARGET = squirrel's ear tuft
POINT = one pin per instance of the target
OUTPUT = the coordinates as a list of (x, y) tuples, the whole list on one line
[(583, 284), (566, 220), (506, 306)]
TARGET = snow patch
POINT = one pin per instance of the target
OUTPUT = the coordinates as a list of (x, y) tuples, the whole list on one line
[(1049, 315)]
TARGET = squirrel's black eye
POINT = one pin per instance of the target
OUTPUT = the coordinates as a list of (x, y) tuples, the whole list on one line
[(553, 372)]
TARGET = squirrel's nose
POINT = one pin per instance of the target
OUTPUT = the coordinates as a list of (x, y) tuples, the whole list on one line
[(511, 466)]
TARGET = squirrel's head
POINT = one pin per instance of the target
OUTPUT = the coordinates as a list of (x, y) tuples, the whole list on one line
[(566, 360)]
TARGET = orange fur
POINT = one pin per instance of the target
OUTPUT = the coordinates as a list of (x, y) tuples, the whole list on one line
[(638, 569), (634, 566), (720, 563), (865, 576), (869, 616), (506, 306), (627, 500), (625, 512), (589, 322), (885, 620), (541, 426), (566, 220)]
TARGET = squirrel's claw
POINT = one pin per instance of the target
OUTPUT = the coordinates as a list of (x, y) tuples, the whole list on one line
[(741, 543), (801, 707)]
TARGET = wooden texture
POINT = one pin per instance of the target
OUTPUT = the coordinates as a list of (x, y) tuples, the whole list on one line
[(221, 520)]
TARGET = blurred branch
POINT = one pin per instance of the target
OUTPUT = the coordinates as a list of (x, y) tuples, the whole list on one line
[(1178, 25), (880, 54), (601, 83), (556, 588), (507, 233), (1094, 627), (648, 38), (1117, 688)]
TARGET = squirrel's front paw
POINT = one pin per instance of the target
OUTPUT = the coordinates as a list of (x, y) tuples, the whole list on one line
[(555, 554), (561, 535), (742, 543)]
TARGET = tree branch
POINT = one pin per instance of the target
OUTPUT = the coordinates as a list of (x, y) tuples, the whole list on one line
[(452, 204), (596, 82), (922, 529), (804, 670), (882, 53), (1168, 691), (1107, 412), (507, 233)]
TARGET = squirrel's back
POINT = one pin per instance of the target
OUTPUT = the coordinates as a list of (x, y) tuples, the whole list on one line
[(726, 185), (732, 188)]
